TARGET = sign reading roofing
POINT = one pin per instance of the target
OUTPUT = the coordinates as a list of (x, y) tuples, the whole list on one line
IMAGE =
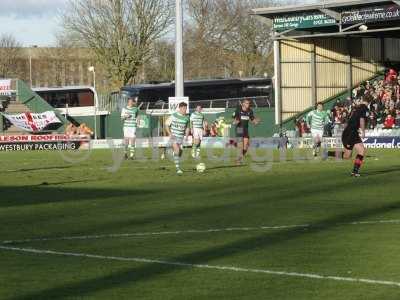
[(371, 14), (303, 21)]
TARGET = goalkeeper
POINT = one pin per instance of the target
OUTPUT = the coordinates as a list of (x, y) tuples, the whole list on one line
[(316, 120)]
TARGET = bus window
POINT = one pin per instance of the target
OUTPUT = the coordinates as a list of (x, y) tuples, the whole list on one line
[(86, 98), (74, 98)]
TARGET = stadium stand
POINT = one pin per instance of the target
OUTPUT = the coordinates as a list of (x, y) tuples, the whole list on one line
[(22, 100), (338, 47), (384, 95)]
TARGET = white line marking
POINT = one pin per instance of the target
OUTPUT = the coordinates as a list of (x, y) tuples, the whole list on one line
[(139, 234), (143, 234), (205, 266)]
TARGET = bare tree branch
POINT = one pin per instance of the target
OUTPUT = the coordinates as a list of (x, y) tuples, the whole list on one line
[(121, 33), (223, 35), (10, 53)]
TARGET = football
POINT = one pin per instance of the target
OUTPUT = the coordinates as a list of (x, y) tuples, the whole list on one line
[(201, 168)]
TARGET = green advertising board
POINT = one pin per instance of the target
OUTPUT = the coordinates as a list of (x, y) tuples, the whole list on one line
[(144, 121), (303, 21)]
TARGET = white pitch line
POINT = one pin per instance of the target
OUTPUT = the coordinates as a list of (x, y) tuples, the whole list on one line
[(139, 234), (205, 266), (143, 234)]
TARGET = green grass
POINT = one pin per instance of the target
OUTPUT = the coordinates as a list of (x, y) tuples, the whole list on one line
[(42, 196)]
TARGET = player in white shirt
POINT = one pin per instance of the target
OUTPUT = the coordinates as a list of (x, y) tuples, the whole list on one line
[(197, 123), (129, 116)]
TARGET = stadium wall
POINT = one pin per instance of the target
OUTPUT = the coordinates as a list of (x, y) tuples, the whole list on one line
[(112, 125), (89, 121), (315, 70)]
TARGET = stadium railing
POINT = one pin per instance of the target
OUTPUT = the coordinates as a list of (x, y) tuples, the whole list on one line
[(115, 102)]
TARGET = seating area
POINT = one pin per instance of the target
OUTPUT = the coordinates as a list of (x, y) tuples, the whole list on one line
[(384, 98)]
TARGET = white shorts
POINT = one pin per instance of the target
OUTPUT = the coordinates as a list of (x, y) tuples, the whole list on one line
[(317, 133), (198, 134), (175, 140), (129, 132)]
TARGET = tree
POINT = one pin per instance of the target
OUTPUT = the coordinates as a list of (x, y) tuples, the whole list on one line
[(10, 54), (161, 66), (121, 33), (226, 40)]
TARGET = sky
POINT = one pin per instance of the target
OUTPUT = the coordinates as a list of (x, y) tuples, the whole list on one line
[(31, 22), (35, 22)]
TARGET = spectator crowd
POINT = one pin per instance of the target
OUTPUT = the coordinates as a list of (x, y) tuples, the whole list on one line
[(384, 98), (78, 130)]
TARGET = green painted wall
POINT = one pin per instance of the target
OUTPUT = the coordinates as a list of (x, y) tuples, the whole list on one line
[(89, 121), (113, 124)]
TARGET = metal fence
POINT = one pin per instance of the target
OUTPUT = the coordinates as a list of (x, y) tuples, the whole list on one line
[(114, 102)]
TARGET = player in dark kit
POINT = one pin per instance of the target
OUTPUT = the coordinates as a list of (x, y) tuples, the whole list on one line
[(242, 117), (352, 136)]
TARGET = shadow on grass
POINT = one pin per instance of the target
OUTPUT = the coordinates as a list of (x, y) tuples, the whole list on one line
[(207, 256), (230, 198), (227, 167), (392, 169), (46, 183), (150, 271), (39, 169), (47, 193)]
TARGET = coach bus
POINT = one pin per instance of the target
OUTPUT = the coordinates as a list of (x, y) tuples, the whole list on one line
[(71, 100), (199, 90), (72, 96)]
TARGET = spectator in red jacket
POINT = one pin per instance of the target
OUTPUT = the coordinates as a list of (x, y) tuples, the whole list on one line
[(391, 76), (390, 122)]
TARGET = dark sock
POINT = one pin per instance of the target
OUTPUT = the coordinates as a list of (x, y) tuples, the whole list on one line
[(358, 163), (336, 154)]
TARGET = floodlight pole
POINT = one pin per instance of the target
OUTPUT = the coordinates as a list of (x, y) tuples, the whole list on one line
[(93, 71), (30, 64), (277, 83), (179, 80)]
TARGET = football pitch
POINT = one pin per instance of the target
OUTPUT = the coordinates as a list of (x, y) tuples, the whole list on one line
[(294, 230)]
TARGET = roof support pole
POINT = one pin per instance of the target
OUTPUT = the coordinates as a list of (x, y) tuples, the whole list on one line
[(313, 66), (383, 51), (352, 27), (278, 81), (349, 68)]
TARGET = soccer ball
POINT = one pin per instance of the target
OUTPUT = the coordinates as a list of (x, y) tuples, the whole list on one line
[(201, 168)]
